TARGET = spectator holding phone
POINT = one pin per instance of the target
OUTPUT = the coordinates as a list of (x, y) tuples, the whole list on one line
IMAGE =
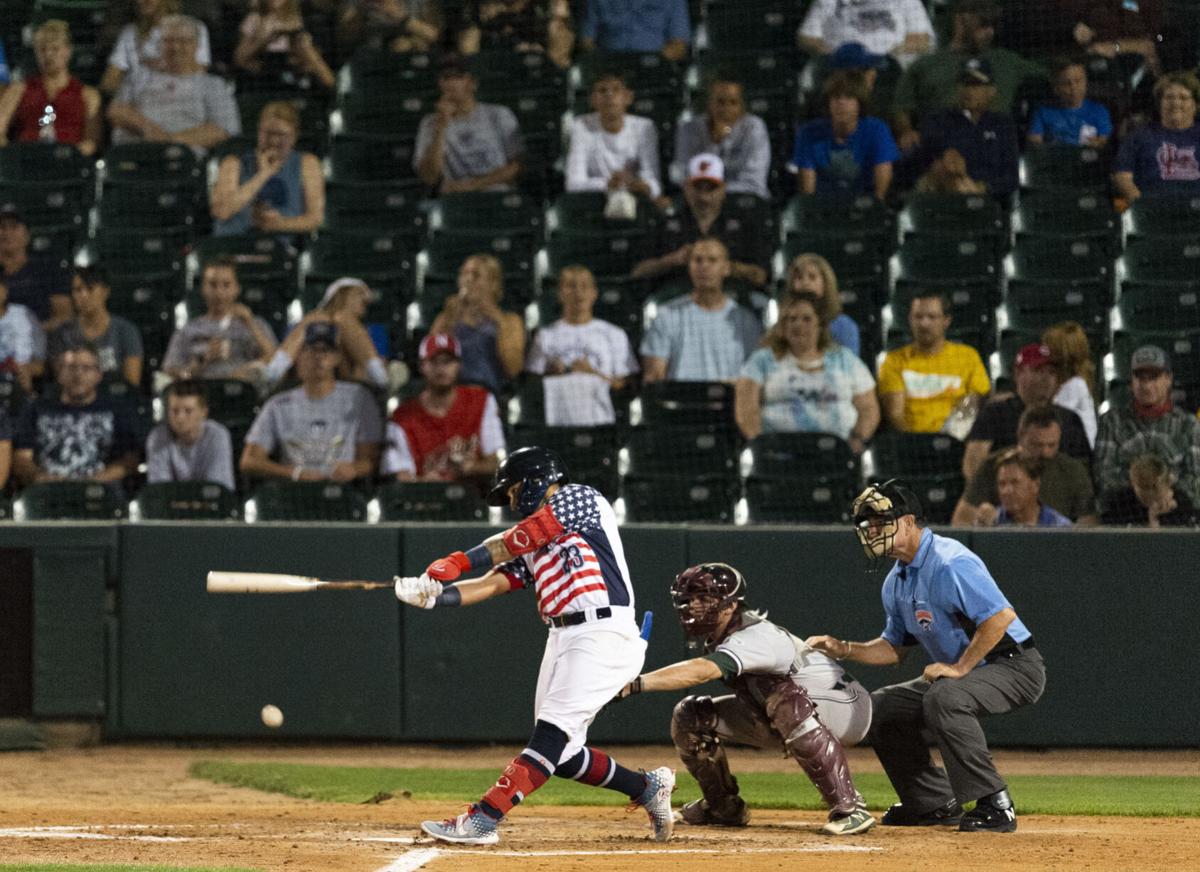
[(272, 39)]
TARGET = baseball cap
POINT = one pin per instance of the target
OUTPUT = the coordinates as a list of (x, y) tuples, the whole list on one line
[(321, 333), (706, 166), (1150, 357), (976, 71), (338, 284), (439, 343), (855, 56), (1034, 355)]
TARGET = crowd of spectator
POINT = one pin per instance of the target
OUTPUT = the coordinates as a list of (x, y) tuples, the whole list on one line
[(891, 110)]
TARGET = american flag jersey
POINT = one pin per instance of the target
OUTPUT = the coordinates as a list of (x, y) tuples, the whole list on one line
[(581, 568)]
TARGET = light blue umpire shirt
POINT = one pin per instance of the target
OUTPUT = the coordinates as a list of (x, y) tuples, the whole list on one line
[(939, 599)]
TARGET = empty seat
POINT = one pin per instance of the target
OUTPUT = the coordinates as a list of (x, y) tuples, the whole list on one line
[(1074, 214), (43, 204), (931, 259), (492, 211), (1161, 259), (185, 501), (590, 453), (655, 499), (150, 250), (1056, 166), (857, 257), (929, 463), (430, 501), (646, 72), (367, 116), (306, 501), (1163, 216), (376, 207), (26, 162), (144, 162), (353, 159), (679, 474), (1080, 263), (262, 257), (961, 216), (151, 205), (669, 403), (800, 478), (1037, 305), (741, 24), (1159, 306), (69, 500)]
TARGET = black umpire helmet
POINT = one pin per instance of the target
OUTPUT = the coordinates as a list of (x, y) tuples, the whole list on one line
[(701, 593), (877, 513), (535, 468)]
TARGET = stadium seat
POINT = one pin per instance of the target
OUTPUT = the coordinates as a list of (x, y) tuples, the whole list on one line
[(312, 105), (380, 71), (430, 501), (305, 501), (27, 162), (958, 216), (672, 403), (488, 211), (679, 474), (148, 300), (151, 205), (929, 463), (47, 204), (12, 398), (618, 302), (367, 116), (376, 207), (657, 499), (815, 215), (799, 478), (143, 162), (1080, 263), (503, 73), (934, 260), (257, 256), (1057, 166), (1037, 305), (382, 260), (1159, 305), (353, 159), (590, 453), (1163, 216), (185, 501), (69, 501), (149, 250), (1161, 259), (1069, 214), (742, 24), (647, 72), (582, 212), (609, 255), (232, 402)]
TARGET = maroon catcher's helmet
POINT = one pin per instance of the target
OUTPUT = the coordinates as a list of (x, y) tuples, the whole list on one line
[(701, 593)]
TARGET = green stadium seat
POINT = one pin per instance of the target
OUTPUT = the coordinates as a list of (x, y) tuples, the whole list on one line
[(1064, 262), (269, 296), (232, 402), (1071, 215), (1160, 259), (646, 72), (487, 211), (503, 73), (972, 307), (759, 71), (384, 261), (431, 294), (354, 159), (86, 18), (430, 501), (144, 162), (12, 398), (1163, 216), (590, 453), (957, 216), (55, 243), (609, 256), (679, 474), (324, 501), (152, 205), (672, 500), (185, 501), (814, 214), (682, 450), (47, 204), (618, 302), (447, 250), (1038, 305), (127, 251), (678, 403), (379, 71), (582, 213), (69, 501), (25, 162), (740, 24), (800, 478), (1159, 306), (528, 403), (256, 256), (929, 463), (148, 300), (376, 207), (939, 261), (1056, 166), (368, 116)]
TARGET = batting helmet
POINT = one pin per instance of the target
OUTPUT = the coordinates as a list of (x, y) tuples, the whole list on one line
[(701, 593), (877, 512), (535, 469)]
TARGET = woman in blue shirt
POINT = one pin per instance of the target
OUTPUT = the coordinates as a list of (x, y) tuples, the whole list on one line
[(812, 274), (1162, 159)]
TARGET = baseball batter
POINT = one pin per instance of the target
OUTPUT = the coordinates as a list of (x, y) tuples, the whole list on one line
[(784, 692), (568, 551), (983, 661)]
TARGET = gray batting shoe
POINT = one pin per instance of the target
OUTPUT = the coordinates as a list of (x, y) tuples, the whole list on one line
[(469, 828), (858, 821), (699, 813), (656, 800)]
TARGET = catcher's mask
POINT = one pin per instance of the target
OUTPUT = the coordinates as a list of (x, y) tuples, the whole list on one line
[(535, 469), (701, 593), (877, 512)]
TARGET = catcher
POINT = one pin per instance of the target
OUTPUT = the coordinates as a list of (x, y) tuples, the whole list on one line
[(783, 692)]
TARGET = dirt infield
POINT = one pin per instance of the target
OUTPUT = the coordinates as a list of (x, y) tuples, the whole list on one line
[(137, 804)]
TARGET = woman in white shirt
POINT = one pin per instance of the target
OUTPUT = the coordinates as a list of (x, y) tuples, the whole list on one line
[(1076, 371), (140, 44), (610, 149)]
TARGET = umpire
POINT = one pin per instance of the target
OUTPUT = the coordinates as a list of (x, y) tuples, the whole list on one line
[(983, 662)]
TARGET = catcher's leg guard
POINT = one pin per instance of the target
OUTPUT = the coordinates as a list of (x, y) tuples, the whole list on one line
[(819, 753), (694, 732)]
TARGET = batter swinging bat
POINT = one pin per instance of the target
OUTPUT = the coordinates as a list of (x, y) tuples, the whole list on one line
[(276, 582)]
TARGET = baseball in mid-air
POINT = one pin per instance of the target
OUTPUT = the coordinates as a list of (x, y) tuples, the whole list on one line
[(272, 716)]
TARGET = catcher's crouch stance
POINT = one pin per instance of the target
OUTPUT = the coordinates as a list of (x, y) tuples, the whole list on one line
[(783, 691)]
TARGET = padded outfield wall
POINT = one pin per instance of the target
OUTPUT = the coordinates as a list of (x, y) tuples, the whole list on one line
[(123, 630)]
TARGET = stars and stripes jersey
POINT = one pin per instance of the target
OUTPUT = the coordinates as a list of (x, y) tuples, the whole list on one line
[(584, 566)]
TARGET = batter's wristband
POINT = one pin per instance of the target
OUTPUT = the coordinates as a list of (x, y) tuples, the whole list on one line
[(479, 557), (450, 596)]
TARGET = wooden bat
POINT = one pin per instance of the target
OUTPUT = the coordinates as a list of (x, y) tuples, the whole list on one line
[(276, 582)]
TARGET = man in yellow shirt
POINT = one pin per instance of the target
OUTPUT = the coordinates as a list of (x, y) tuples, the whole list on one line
[(921, 383)]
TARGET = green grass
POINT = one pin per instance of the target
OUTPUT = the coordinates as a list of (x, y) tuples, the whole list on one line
[(1147, 796), (62, 867)]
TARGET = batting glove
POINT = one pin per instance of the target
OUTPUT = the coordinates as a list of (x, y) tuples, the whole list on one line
[(449, 568), (421, 592)]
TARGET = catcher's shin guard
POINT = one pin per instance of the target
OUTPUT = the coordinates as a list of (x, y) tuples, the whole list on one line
[(694, 732), (794, 717)]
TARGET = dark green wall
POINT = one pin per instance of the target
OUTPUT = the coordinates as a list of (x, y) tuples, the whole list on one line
[(124, 629)]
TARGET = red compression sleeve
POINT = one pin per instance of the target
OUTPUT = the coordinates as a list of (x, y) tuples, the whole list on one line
[(531, 534)]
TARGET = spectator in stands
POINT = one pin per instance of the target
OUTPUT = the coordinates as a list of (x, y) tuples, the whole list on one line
[(986, 140), (272, 42), (804, 381), (727, 130), (1104, 28), (465, 145), (1152, 498), (181, 102), (1019, 482), (1066, 483), (924, 382), (273, 189), (705, 335), (345, 304), (53, 106), (810, 273), (856, 58), (396, 25), (1161, 159), (1073, 119), (931, 83), (38, 284), (448, 432), (948, 175), (846, 152), (610, 149), (76, 432), (1076, 372), (518, 26), (116, 340), (228, 340), (492, 340), (583, 358), (140, 44), (323, 430), (654, 26), (22, 343), (188, 446), (1036, 379), (1150, 424), (897, 27), (703, 217)]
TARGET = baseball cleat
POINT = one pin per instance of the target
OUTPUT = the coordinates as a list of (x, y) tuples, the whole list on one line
[(991, 814), (469, 828), (947, 815), (656, 800), (858, 821), (699, 813)]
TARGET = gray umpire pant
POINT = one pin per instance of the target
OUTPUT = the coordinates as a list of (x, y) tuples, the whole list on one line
[(949, 709)]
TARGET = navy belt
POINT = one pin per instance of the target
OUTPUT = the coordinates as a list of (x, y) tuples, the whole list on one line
[(576, 618)]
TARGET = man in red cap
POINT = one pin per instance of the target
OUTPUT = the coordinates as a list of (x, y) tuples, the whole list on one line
[(449, 431), (1036, 381)]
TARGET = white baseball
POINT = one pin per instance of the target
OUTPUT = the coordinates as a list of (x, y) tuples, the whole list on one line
[(272, 716)]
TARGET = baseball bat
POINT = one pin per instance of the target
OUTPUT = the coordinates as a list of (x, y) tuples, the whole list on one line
[(277, 582), (647, 625)]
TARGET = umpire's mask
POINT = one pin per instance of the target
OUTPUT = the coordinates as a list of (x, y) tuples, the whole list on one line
[(877, 512)]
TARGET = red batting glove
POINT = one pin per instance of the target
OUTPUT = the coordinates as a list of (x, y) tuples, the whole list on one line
[(449, 568)]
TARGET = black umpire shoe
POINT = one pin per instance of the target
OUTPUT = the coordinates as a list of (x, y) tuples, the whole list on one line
[(992, 814), (947, 815)]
